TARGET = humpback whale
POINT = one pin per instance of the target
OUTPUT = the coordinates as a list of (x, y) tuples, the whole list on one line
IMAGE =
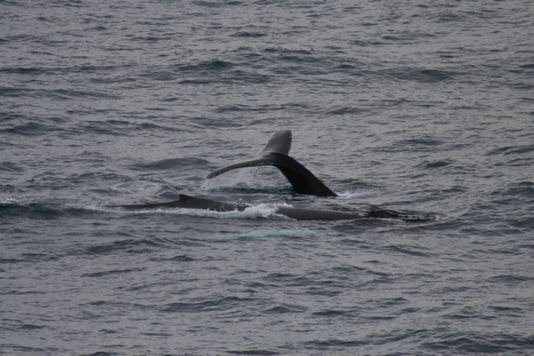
[(276, 153), (190, 202)]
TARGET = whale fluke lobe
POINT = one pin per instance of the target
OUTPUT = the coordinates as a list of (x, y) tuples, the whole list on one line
[(280, 142), (276, 153)]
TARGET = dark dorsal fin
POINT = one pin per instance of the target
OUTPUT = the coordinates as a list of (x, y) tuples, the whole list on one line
[(275, 154)]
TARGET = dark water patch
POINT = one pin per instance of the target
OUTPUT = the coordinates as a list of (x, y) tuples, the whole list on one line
[(172, 163), (335, 313), (217, 4), (93, 177), (289, 279), (249, 34), (147, 245), (284, 309), (286, 52), (38, 257), (57, 94), (222, 303), (515, 190), (77, 94), (418, 74), (260, 352), (214, 65), (83, 68), (8, 188), (112, 272), (39, 211), (471, 342), (367, 42), (505, 310), (29, 327), (156, 127), (413, 144), (21, 292), (29, 350), (109, 127), (149, 39), (7, 166), (177, 258), (334, 344), (523, 224), (222, 76), (511, 279), (351, 270), (22, 70), (29, 129), (510, 150), (435, 164), (345, 110), (11, 260), (415, 251)]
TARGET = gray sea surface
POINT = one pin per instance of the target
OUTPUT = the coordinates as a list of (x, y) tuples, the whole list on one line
[(423, 106)]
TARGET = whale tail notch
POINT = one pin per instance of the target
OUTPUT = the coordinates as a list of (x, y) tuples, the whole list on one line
[(276, 153)]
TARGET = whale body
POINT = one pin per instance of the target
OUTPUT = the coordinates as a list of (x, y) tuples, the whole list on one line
[(191, 202)]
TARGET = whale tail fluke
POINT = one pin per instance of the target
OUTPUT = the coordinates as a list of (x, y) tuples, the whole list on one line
[(275, 154)]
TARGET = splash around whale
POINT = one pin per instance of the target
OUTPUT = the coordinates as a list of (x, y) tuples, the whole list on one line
[(276, 153)]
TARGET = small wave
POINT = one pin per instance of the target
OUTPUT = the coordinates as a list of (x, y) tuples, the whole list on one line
[(33, 210), (151, 126), (413, 144), (111, 272), (177, 258), (28, 129), (435, 164), (259, 352), (108, 127), (285, 233), (418, 74), (8, 166), (249, 34), (480, 343), (408, 250), (214, 65), (222, 303), (520, 189), (335, 344), (285, 309), (346, 110), (127, 245), (510, 150)]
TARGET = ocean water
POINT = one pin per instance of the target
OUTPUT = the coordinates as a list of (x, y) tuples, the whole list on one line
[(425, 106)]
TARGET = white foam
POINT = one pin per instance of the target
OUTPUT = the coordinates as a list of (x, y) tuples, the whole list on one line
[(351, 194), (263, 211)]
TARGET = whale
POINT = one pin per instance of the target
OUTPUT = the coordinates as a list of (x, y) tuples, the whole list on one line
[(185, 201), (303, 181), (276, 153)]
